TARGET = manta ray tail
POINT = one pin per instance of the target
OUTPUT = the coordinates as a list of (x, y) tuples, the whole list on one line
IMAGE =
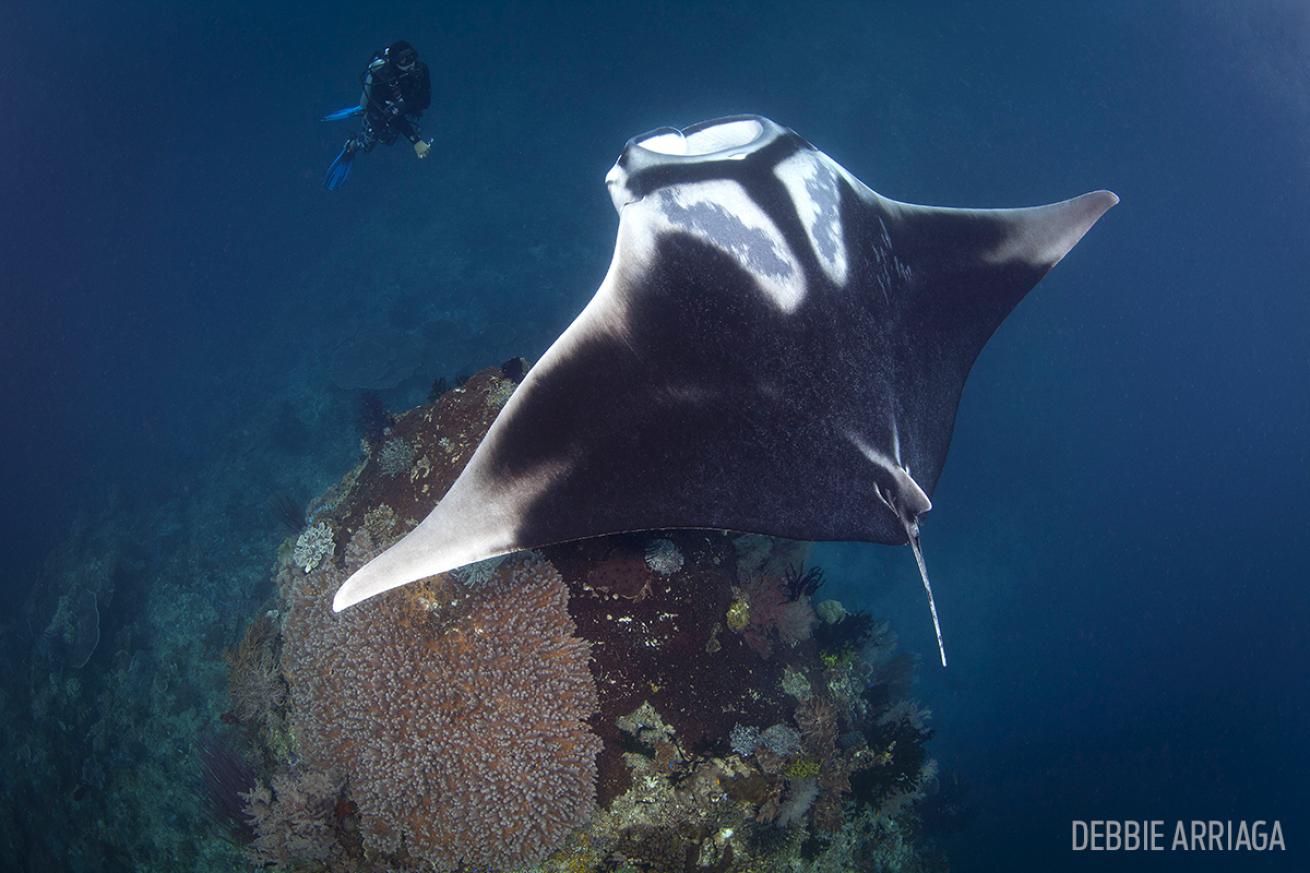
[(927, 586)]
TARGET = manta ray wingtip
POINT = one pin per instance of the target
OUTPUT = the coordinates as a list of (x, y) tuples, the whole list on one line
[(389, 570), (1106, 200), (348, 595)]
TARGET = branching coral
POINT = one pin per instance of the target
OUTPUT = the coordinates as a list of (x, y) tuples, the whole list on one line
[(781, 740), (293, 818), (744, 739), (395, 457), (461, 728), (381, 522)]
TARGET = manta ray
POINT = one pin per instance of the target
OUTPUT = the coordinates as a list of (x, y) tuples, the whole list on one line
[(775, 349)]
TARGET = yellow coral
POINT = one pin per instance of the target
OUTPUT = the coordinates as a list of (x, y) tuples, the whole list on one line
[(806, 768), (739, 614)]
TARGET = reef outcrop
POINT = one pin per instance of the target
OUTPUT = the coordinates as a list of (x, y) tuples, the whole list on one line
[(665, 701)]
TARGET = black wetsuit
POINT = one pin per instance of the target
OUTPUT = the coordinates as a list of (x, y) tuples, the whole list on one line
[(393, 100)]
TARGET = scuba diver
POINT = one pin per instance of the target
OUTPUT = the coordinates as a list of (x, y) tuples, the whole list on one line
[(396, 92)]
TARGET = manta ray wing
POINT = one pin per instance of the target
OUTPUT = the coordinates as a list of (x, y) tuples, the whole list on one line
[(775, 349)]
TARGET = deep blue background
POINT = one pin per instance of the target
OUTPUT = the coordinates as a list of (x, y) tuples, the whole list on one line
[(1118, 547)]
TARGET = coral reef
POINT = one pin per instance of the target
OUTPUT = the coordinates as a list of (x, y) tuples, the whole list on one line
[(662, 640), (802, 582), (772, 614), (454, 713), (104, 764), (797, 801), (500, 393), (575, 710), (662, 702)]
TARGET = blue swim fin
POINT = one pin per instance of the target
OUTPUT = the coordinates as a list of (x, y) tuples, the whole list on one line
[(343, 114), (340, 167)]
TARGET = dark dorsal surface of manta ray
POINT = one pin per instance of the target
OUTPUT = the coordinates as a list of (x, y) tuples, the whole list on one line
[(776, 348)]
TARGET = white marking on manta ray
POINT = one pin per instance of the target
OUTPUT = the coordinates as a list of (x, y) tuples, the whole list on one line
[(812, 184), (907, 501), (1020, 247), (721, 214)]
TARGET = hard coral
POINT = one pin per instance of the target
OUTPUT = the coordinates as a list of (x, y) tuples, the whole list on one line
[(458, 716), (663, 557), (781, 740), (313, 546), (381, 522), (744, 739), (395, 457)]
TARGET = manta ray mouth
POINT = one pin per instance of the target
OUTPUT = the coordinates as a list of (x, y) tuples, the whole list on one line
[(668, 155), (706, 138)]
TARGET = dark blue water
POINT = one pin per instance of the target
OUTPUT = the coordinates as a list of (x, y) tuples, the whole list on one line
[(1118, 544)]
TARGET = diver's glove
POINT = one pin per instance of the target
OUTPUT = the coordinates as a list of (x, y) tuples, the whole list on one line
[(422, 147)]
